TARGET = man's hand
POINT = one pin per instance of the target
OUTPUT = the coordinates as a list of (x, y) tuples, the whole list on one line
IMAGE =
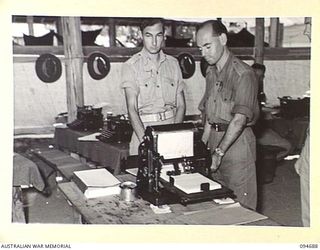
[(206, 132), (216, 160)]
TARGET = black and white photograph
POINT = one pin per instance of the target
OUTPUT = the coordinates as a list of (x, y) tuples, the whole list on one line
[(161, 120)]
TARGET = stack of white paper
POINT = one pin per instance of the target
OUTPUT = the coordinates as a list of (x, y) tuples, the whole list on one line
[(191, 183), (96, 182)]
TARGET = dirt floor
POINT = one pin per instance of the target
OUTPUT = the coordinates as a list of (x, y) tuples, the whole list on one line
[(279, 200)]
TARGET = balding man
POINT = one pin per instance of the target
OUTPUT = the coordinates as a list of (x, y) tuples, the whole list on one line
[(230, 107)]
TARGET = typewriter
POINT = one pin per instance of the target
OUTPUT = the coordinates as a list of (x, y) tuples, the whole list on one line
[(116, 129), (174, 166), (88, 119)]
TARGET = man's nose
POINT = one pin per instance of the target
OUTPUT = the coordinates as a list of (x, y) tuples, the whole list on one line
[(154, 41), (203, 52)]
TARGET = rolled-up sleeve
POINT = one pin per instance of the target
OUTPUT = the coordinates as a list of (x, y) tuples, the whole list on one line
[(127, 77), (246, 96)]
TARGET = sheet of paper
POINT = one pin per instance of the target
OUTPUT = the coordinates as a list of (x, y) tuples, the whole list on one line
[(176, 144), (191, 183), (233, 214), (91, 137), (133, 171)]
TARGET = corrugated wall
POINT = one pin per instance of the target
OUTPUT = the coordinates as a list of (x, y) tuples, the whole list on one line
[(37, 103)]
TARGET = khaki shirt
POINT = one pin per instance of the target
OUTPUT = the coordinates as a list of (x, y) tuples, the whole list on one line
[(233, 90), (156, 86)]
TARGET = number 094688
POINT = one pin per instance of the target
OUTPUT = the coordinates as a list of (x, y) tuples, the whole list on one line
[(308, 245)]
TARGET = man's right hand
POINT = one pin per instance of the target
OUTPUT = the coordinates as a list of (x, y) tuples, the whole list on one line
[(216, 160), (132, 105)]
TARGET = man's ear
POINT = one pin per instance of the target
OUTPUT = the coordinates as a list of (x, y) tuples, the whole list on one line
[(140, 34), (223, 39)]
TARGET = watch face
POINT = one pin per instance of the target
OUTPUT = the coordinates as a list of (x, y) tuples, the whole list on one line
[(187, 65), (219, 152)]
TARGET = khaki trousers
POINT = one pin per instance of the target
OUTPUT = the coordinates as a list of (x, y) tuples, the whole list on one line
[(237, 170)]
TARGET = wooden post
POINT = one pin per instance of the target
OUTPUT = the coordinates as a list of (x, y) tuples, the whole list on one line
[(173, 29), (273, 32), (280, 35), (112, 32), (30, 25), (59, 29), (74, 64), (259, 41)]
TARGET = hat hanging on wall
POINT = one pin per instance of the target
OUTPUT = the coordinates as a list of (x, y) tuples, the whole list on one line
[(203, 66), (187, 65), (48, 68), (98, 65)]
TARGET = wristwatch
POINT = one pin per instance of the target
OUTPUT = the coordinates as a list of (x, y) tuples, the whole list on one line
[(219, 152)]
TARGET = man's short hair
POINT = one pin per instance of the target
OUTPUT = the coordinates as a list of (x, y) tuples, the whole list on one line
[(218, 27), (259, 66), (150, 22)]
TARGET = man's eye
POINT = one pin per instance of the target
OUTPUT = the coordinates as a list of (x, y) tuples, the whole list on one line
[(208, 47)]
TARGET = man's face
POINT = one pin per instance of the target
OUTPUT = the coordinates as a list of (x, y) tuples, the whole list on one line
[(153, 37), (210, 45)]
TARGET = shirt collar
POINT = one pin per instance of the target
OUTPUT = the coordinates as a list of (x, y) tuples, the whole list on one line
[(219, 75), (223, 60), (146, 58), (224, 66)]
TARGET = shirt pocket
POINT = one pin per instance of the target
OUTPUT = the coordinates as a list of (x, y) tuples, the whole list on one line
[(226, 104), (145, 89), (169, 89)]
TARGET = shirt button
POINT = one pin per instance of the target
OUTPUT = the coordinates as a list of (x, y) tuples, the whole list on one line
[(158, 86), (245, 194), (214, 100), (146, 85), (225, 99), (172, 84)]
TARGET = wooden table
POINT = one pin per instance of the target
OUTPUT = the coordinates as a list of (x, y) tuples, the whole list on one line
[(111, 210), (109, 155)]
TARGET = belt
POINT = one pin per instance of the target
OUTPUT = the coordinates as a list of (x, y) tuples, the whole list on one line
[(219, 127), (161, 116)]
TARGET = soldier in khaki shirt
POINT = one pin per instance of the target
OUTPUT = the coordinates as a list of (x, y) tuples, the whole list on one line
[(153, 85), (230, 107)]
